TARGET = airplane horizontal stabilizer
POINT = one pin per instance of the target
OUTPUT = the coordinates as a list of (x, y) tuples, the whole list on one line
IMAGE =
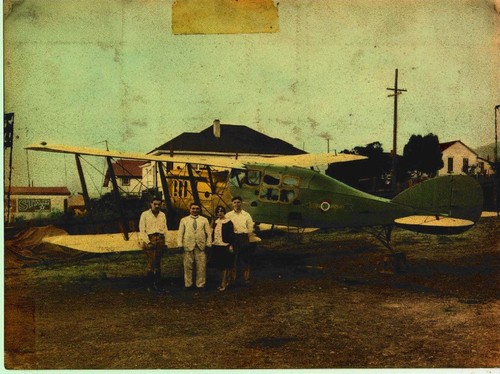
[(450, 196), (434, 224)]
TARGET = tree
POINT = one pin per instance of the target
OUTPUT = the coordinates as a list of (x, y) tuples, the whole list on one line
[(380, 163), (372, 150), (422, 155)]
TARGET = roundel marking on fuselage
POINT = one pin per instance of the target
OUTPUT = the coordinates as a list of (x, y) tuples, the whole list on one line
[(325, 206)]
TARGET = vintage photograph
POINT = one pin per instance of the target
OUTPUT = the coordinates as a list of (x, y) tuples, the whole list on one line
[(251, 184)]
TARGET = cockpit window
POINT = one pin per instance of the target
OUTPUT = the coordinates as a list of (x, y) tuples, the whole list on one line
[(237, 177), (271, 180), (253, 177)]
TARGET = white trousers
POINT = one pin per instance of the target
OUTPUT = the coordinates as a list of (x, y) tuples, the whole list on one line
[(199, 258)]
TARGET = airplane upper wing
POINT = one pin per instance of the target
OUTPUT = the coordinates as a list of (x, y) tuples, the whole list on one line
[(229, 161), (226, 162), (308, 159)]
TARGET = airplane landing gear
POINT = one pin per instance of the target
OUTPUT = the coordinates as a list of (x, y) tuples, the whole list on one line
[(394, 262)]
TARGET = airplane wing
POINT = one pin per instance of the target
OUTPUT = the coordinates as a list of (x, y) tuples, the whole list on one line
[(226, 162), (230, 162), (308, 160), (105, 243)]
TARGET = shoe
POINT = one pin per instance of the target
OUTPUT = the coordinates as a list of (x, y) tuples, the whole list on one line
[(221, 288)]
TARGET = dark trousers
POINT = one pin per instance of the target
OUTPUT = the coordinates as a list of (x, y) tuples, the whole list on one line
[(243, 252), (154, 254)]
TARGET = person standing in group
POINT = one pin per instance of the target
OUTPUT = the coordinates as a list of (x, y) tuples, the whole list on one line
[(152, 234), (223, 246), (243, 228), (194, 236)]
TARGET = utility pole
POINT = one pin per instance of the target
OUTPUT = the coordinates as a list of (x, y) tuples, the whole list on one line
[(496, 141), (8, 142), (397, 92)]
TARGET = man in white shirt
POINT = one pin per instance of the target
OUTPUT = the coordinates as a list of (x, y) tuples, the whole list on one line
[(152, 234), (194, 236), (243, 227)]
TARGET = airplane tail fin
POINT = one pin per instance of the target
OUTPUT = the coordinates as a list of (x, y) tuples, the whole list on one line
[(457, 198)]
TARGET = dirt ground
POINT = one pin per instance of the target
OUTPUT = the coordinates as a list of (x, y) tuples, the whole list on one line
[(317, 303)]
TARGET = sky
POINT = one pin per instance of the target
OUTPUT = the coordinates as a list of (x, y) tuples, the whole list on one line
[(88, 72)]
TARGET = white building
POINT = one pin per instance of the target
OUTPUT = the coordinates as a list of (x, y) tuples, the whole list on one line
[(460, 159)]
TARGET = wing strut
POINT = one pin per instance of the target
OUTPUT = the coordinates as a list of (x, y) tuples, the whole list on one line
[(116, 192), (213, 187), (166, 195), (194, 187), (85, 192), (394, 262)]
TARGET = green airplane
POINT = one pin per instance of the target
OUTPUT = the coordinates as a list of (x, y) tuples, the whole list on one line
[(294, 196), (300, 197)]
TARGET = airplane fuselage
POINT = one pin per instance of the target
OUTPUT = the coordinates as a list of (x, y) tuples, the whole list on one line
[(302, 197)]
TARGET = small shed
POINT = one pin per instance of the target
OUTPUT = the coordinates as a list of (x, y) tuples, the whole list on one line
[(35, 202)]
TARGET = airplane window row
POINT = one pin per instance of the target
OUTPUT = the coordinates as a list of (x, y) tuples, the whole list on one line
[(254, 178)]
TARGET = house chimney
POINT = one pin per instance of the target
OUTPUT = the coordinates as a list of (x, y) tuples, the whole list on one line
[(216, 126)]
